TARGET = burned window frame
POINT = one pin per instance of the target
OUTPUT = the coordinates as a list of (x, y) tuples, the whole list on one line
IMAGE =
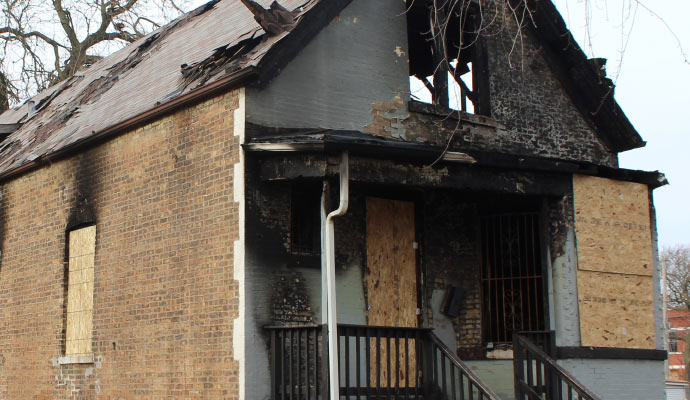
[(305, 219), (432, 53)]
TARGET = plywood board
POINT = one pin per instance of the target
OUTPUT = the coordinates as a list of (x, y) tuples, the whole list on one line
[(391, 281), (82, 248), (612, 224), (391, 276), (616, 310), (82, 241)]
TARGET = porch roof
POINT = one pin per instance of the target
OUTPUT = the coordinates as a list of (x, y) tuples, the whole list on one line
[(363, 144)]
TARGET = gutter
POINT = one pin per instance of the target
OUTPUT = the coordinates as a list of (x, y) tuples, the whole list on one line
[(231, 81)]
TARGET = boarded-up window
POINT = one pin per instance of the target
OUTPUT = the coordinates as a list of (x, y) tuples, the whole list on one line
[(82, 249), (615, 266)]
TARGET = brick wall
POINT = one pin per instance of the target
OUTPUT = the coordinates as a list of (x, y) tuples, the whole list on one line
[(529, 101), (451, 257), (164, 294)]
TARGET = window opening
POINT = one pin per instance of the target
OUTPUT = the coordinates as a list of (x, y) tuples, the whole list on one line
[(305, 219), (512, 281), (447, 57), (673, 345), (81, 254)]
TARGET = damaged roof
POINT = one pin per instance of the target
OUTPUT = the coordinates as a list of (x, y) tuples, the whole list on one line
[(208, 49), (222, 45)]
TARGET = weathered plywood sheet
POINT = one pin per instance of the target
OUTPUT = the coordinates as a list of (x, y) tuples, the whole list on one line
[(612, 223), (391, 276), (82, 249), (616, 310), (391, 282), (615, 264)]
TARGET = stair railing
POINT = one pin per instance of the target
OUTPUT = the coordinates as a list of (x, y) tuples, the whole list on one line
[(539, 377), (448, 377)]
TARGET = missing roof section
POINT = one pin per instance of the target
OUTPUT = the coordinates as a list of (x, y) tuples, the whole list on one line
[(274, 20), (226, 59)]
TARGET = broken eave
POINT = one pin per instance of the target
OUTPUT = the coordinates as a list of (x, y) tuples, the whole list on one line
[(365, 145), (591, 93)]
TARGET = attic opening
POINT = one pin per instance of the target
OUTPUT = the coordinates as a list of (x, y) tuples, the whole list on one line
[(447, 55)]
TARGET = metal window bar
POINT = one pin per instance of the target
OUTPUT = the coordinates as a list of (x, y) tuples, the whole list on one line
[(512, 280)]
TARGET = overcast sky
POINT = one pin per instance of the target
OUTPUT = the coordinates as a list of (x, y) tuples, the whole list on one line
[(652, 87)]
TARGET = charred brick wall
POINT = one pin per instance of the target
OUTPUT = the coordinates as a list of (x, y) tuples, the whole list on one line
[(165, 297), (451, 258), (527, 99), (277, 289), (284, 287)]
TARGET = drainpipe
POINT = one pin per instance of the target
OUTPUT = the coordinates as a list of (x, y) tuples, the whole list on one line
[(667, 372), (328, 237)]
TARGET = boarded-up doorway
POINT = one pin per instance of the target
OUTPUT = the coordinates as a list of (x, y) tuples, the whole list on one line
[(391, 279)]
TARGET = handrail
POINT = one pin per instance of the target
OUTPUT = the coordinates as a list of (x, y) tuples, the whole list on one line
[(464, 373), (539, 377)]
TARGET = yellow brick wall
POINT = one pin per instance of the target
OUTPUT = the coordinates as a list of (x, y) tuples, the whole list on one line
[(164, 295)]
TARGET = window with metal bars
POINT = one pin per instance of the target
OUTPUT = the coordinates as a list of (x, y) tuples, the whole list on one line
[(512, 277)]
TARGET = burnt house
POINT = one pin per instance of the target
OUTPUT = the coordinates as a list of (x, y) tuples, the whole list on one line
[(331, 199)]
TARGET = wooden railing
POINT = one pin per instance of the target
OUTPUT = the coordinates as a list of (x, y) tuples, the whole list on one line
[(446, 375), (539, 377), (380, 361), (374, 362), (297, 367)]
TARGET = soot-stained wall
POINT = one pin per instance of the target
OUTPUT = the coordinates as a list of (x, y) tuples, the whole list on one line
[(451, 258), (354, 75), (528, 100), (285, 288)]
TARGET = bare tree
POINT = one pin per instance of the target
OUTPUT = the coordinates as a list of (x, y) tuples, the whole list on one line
[(677, 260), (45, 41)]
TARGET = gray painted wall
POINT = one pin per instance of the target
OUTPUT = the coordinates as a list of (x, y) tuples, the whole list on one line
[(359, 59), (619, 379), (609, 379), (565, 317), (443, 326)]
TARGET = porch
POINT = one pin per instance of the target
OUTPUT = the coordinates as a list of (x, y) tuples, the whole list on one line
[(412, 239), (412, 363)]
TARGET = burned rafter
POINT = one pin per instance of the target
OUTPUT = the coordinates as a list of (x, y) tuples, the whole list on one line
[(274, 20), (443, 39)]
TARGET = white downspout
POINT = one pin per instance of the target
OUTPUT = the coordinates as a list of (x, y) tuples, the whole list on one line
[(324, 256), (330, 276)]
